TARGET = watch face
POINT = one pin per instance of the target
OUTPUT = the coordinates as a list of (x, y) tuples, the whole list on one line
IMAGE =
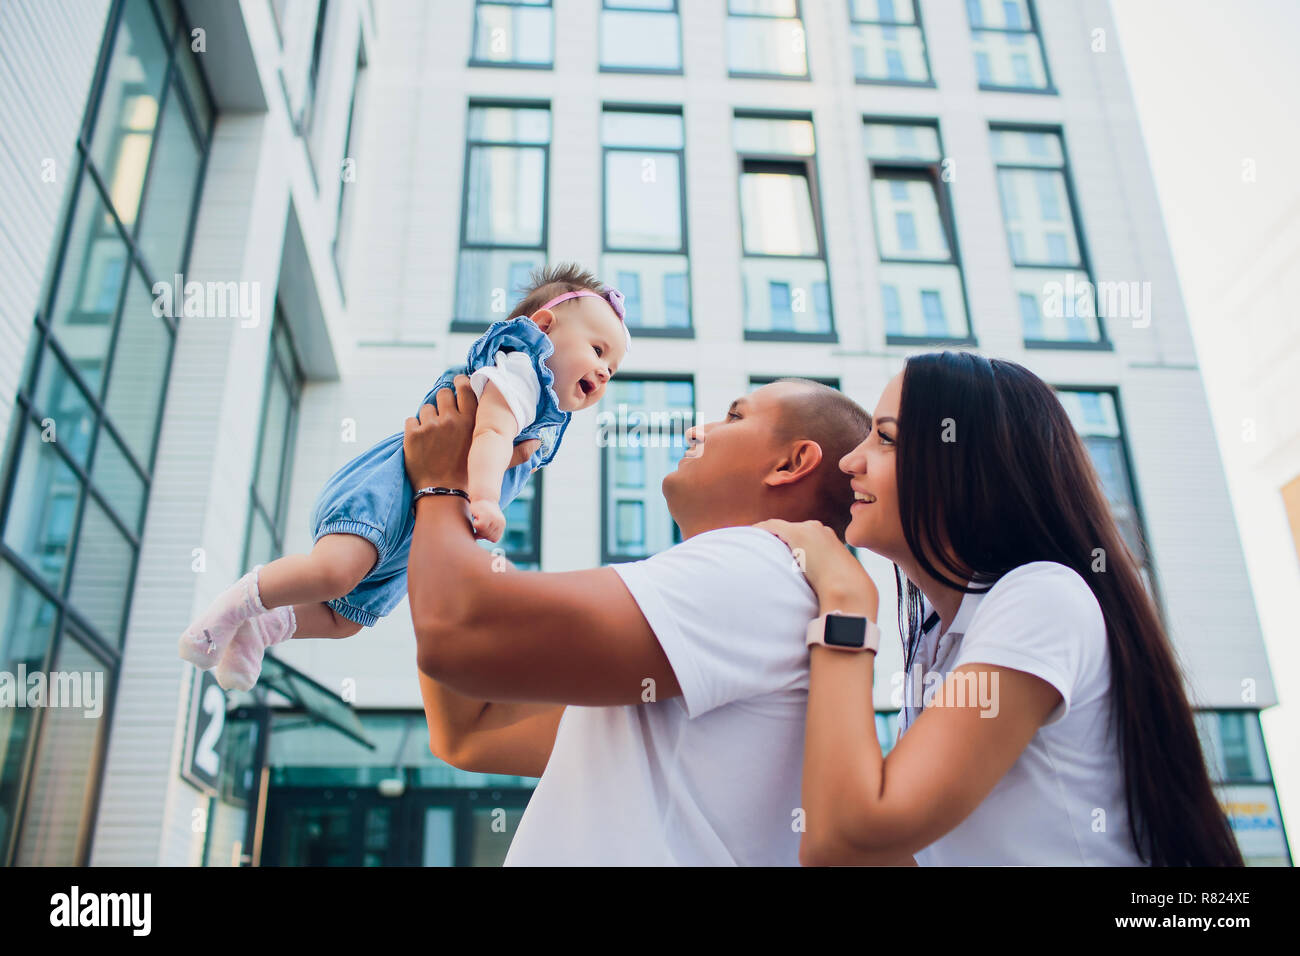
[(846, 631)]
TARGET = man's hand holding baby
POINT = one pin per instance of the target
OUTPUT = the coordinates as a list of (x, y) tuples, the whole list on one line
[(436, 448)]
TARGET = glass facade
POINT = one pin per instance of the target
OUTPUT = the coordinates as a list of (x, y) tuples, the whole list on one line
[(81, 446), (503, 223)]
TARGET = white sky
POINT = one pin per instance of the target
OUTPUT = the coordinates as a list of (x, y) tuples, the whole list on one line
[(1217, 82)]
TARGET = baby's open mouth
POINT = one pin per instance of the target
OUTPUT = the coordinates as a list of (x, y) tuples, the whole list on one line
[(586, 386)]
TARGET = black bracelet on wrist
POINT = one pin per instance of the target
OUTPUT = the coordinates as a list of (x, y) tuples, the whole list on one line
[(437, 491)]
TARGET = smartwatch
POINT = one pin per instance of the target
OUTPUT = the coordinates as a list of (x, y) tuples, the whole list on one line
[(844, 632)]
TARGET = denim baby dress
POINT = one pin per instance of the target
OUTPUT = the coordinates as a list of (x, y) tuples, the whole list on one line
[(371, 496)]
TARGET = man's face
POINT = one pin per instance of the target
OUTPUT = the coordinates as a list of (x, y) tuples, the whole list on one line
[(727, 458)]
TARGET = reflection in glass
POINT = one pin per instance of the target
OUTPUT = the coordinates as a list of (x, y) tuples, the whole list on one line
[(63, 776), (140, 361), (102, 576), (43, 509), (655, 416), (777, 213), (788, 295), (175, 172), (655, 288), (488, 282), (518, 32), (128, 107), (90, 283), (642, 201), (504, 199), (766, 47)]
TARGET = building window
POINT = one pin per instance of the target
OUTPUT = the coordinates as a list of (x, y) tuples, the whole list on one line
[(645, 218), (640, 36), (785, 283), (343, 221), (643, 436), (765, 38), (1057, 300), (512, 33), (81, 448), (888, 42), (503, 220), (922, 291), (1233, 744), (268, 499), (1095, 415), (1008, 49), (307, 115)]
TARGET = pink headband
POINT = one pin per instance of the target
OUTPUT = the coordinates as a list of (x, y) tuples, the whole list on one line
[(612, 296)]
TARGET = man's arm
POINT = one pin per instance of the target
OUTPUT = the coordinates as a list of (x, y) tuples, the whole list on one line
[(513, 738), (576, 637)]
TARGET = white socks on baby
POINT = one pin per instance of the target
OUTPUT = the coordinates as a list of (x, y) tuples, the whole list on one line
[(206, 638), (241, 664)]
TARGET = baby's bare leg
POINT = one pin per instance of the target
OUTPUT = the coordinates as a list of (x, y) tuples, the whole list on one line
[(319, 620), (335, 566)]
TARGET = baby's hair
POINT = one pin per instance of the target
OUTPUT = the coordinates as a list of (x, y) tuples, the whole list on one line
[(546, 282)]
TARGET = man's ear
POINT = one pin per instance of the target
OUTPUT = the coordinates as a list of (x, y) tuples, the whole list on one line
[(543, 319), (800, 460)]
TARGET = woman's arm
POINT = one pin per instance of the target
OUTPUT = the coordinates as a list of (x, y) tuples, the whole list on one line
[(862, 807)]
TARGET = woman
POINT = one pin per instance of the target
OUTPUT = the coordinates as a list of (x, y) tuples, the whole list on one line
[(1055, 728)]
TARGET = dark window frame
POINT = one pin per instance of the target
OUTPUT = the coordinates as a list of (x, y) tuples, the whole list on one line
[(799, 165), (475, 326), (509, 64), (675, 332), (933, 171), (1033, 30), (612, 5), (1103, 342), (607, 556), (919, 26), (804, 77)]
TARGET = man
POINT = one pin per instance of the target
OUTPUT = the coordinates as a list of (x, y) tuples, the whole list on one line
[(660, 701)]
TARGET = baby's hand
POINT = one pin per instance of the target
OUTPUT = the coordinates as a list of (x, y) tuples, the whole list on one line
[(489, 522)]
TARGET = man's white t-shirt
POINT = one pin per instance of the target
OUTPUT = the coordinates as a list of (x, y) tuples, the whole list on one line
[(1062, 802), (516, 379), (708, 778)]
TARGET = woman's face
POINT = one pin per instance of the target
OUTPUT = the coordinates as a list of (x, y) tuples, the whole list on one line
[(875, 523)]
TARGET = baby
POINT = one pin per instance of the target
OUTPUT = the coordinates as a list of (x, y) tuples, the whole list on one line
[(553, 356)]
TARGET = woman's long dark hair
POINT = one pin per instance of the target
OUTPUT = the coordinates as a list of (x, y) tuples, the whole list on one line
[(988, 459)]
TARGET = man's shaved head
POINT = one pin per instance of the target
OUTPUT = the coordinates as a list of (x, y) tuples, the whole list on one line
[(835, 422)]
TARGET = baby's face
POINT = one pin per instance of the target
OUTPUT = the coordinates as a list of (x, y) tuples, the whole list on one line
[(589, 345)]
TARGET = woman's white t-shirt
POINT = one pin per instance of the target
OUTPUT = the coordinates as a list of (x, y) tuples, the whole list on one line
[(1062, 802)]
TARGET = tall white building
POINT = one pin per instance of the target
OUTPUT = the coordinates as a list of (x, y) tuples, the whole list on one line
[(355, 189)]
